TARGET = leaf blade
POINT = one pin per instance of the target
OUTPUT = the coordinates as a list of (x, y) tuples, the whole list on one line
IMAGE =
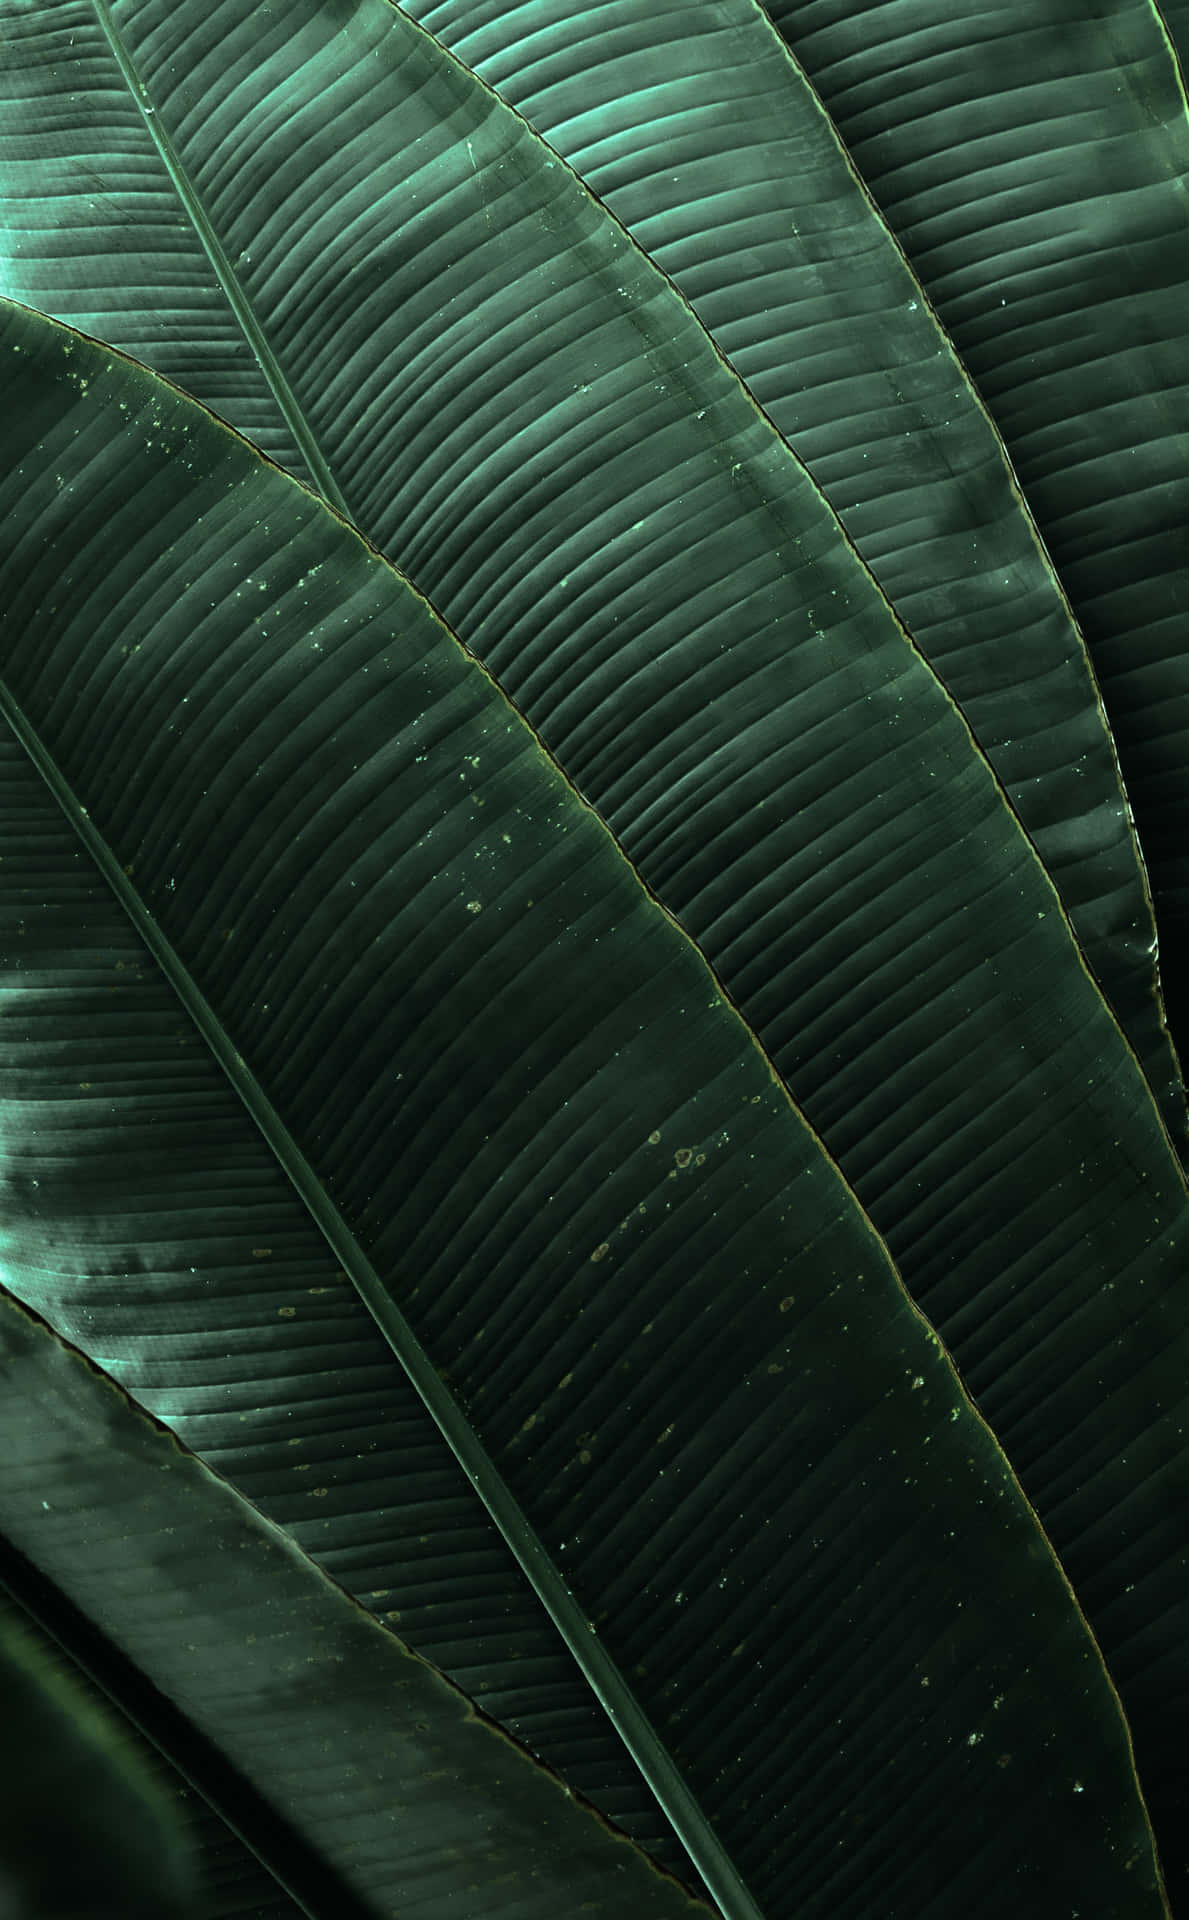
[(449, 1794), (1034, 172), (698, 131), (877, 1376)]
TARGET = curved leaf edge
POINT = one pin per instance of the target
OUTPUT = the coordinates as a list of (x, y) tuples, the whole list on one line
[(606, 1681), (1172, 1102)]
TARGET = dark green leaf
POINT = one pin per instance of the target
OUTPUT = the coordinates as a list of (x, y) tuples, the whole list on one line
[(1033, 163), (600, 512), (700, 133), (232, 1881), (660, 1336), (371, 1755), (141, 208)]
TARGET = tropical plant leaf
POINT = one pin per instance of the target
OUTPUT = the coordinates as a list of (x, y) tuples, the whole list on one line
[(1034, 169), (661, 1337), (700, 648), (232, 1883), (126, 215), (364, 1749), (231, 1879), (233, 1322), (578, 480), (698, 130), (593, 502)]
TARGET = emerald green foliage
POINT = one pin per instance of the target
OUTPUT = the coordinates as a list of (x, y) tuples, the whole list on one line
[(594, 809)]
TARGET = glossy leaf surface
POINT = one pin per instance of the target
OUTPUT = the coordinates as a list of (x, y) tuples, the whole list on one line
[(140, 207), (333, 228), (1035, 172), (696, 128), (661, 1337), (363, 1748)]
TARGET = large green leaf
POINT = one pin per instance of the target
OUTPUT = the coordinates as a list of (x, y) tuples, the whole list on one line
[(140, 208), (379, 1764), (1034, 164), (464, 341), (659, 1335), (522, 409), (698, 131)]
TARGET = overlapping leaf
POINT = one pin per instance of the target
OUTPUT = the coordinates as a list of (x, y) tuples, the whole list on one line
[(381, 1766), (731, 1457), (594, 503), (1033, 163), (466, 350), (697, 129), (694, 126)]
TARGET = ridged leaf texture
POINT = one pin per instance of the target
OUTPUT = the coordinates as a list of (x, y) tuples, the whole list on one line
[(587, 1056)]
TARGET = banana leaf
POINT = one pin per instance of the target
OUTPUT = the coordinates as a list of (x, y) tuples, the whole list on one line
[(310, 939), (333, 231), (1034, 171), (126, 214), (406, 1799), (697, 129), (515, 403)]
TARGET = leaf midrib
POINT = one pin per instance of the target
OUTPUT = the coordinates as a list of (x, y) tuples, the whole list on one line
[(602, 1674), (303, 434)]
